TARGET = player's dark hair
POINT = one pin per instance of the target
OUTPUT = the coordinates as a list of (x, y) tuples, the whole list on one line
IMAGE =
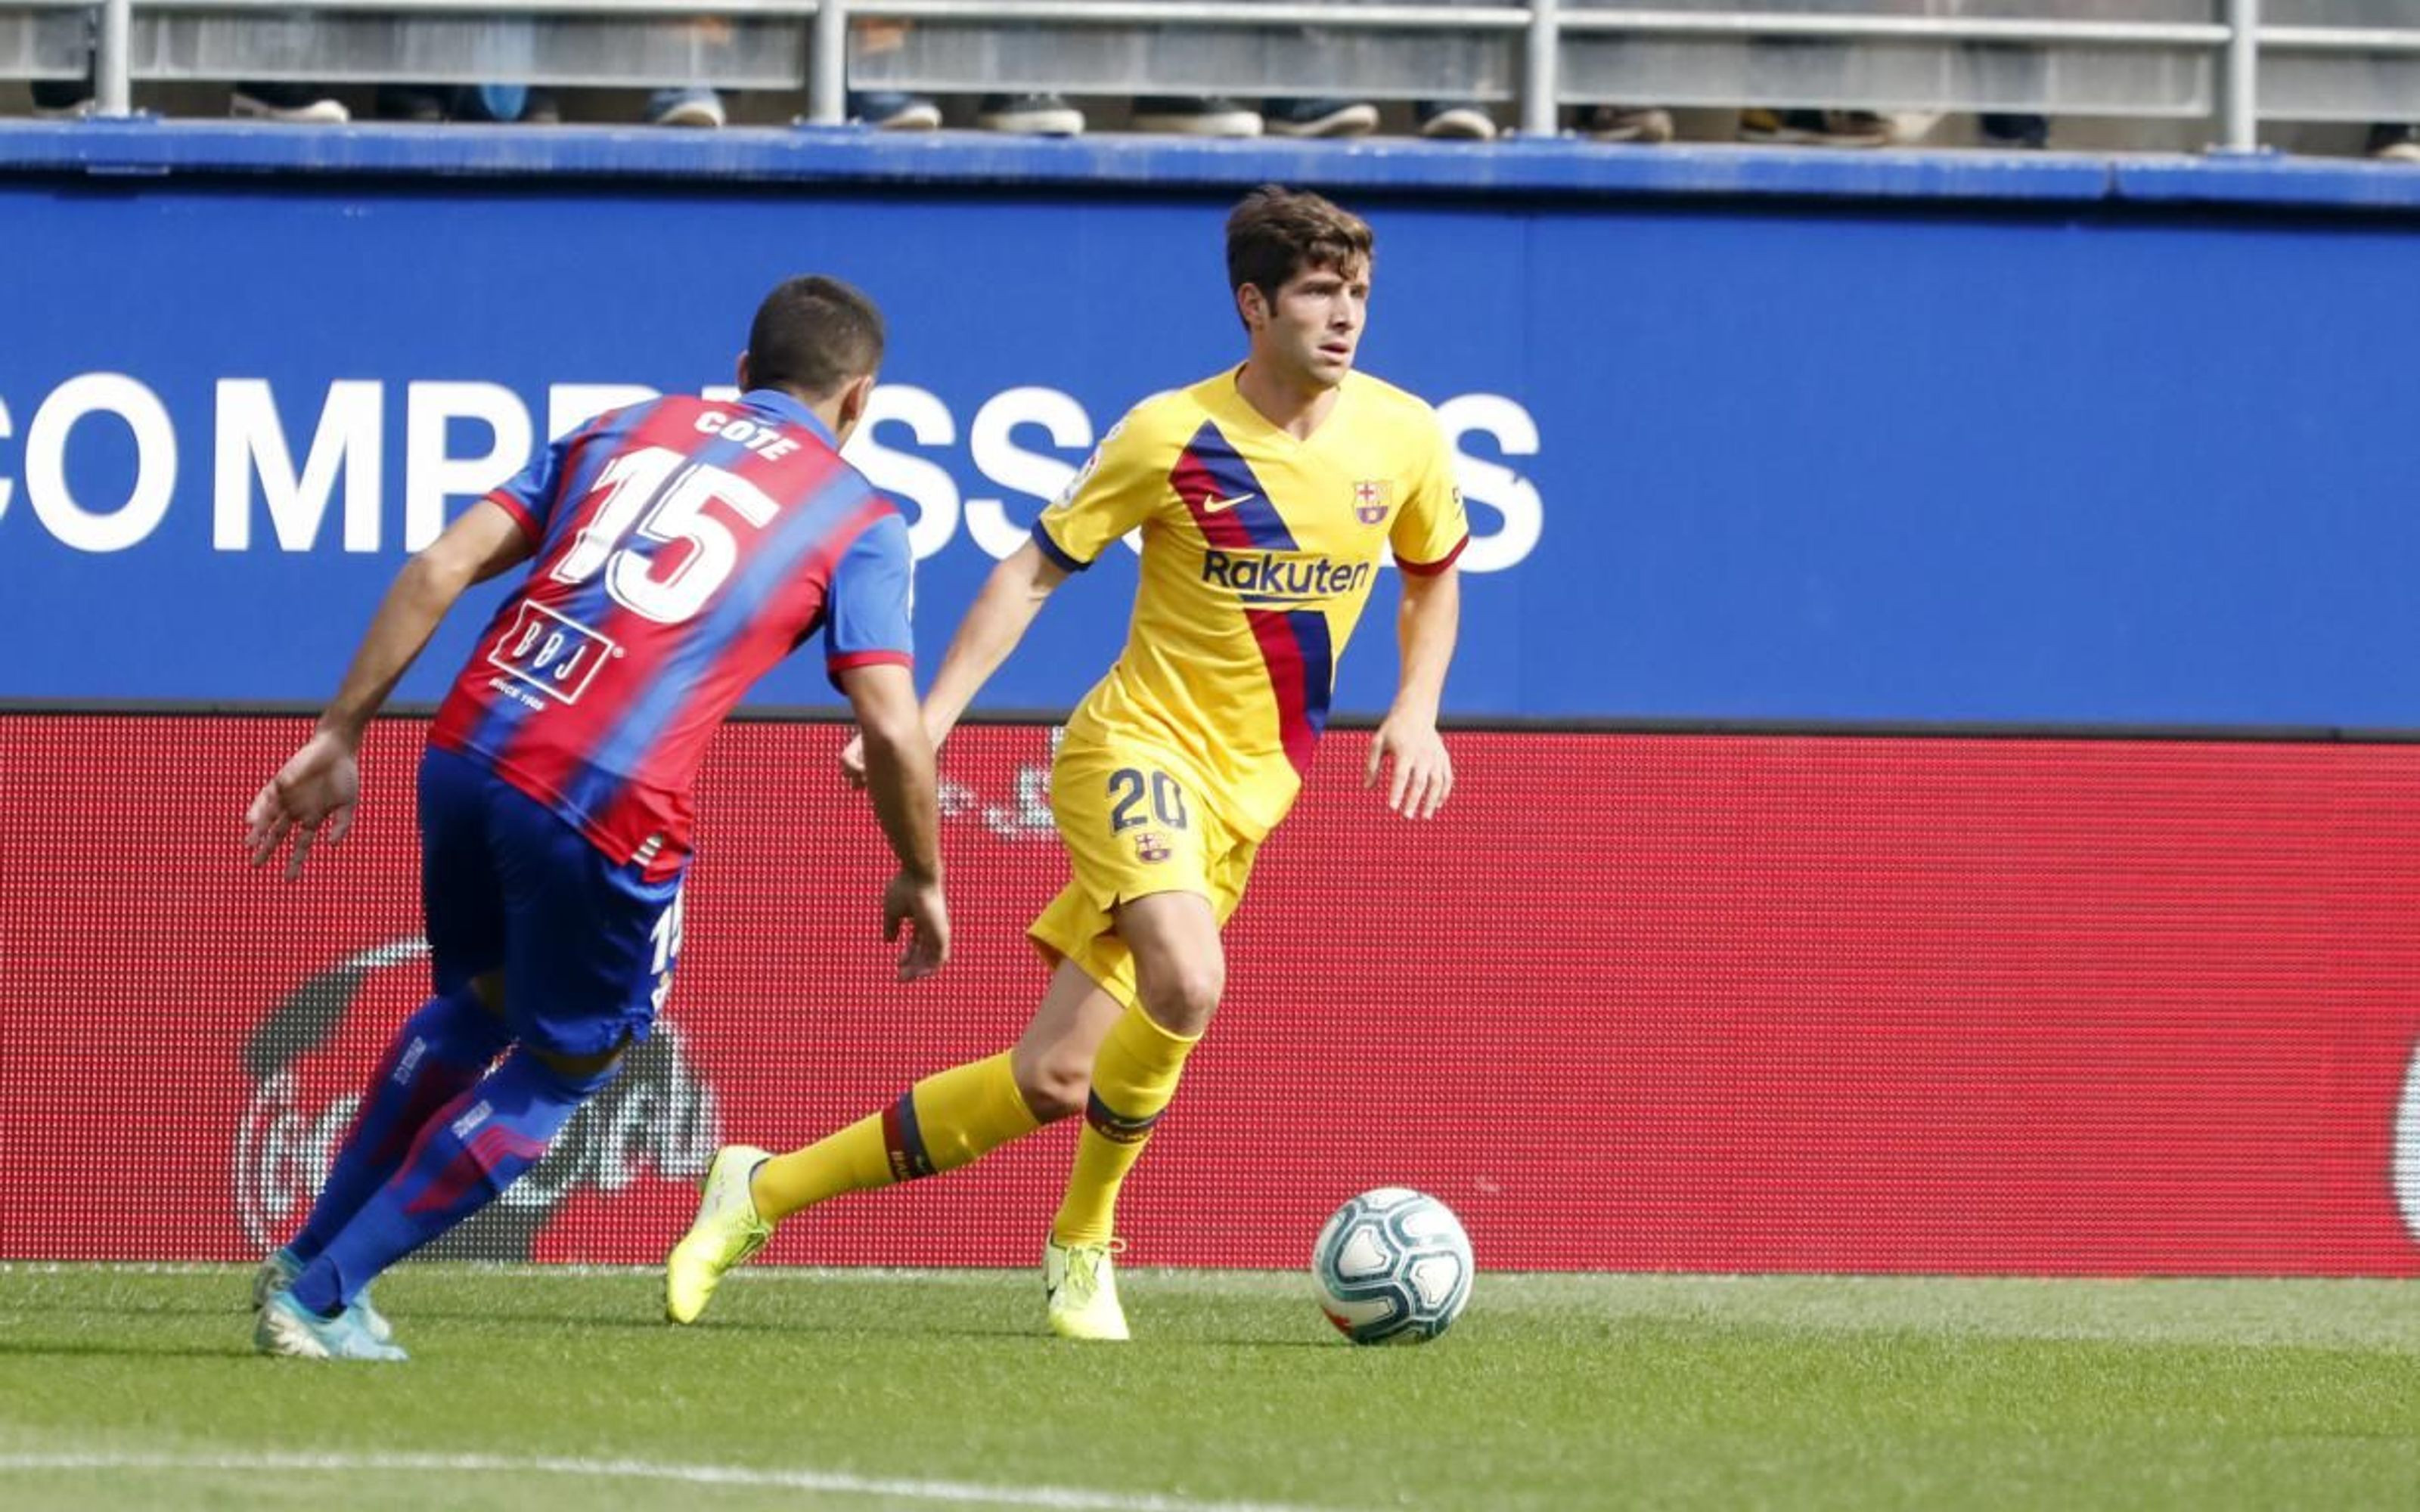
[(1278, 233), (814, 335)]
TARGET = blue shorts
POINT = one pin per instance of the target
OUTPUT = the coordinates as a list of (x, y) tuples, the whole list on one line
[(586, 948)]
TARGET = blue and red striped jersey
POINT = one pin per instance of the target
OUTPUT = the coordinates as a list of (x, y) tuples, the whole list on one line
[(683, 548)]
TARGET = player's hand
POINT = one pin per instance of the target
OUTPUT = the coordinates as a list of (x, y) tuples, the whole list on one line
[(315, 790), (917, 904), (1420, 773)]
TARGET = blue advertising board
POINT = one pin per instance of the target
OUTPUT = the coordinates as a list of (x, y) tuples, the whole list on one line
[(2072, 458)]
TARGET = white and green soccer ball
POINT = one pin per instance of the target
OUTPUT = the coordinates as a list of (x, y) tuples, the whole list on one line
[(1392, 1267)]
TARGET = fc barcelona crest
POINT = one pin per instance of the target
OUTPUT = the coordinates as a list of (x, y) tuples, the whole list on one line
[(1371, 501), (1151, 846)]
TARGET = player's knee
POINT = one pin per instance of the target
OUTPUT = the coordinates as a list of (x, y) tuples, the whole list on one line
[(1054, 1088), (1181, 998), (597, 1067), (488, 991)]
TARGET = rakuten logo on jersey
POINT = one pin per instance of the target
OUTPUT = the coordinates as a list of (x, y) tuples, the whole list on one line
[(985, 479), (1270, 578)]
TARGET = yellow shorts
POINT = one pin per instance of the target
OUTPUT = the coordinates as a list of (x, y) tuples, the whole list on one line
[(1133, 827)]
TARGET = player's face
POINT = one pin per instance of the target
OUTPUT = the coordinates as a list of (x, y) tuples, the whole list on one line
[(1314, 325)]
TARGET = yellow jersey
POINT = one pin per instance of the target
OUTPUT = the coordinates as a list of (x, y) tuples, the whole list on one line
[(1258, 554)]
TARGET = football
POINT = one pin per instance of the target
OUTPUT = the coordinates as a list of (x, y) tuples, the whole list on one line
[(1392, 1267)]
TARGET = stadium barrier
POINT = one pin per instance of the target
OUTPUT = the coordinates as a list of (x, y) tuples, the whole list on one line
[(1722, 1002), (2235, 62)]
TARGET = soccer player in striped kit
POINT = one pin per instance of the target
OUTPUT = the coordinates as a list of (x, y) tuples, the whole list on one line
[(681, 548), (1266, 496)]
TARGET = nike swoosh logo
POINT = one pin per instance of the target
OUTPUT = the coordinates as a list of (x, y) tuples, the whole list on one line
[(1219, 506)]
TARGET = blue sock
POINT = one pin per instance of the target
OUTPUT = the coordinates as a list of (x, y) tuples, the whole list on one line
[(469, 1151), (438, 1051)]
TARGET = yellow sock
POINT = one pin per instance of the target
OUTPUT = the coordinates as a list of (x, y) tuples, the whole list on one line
[(941, 1123), (1134, 1078)]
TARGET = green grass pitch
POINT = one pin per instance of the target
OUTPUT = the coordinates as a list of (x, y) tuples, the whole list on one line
[(130, 1387)]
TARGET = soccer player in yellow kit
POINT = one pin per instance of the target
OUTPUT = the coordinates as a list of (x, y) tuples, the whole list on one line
[(1266, 496)]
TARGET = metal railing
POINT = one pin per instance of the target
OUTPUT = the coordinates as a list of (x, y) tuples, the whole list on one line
[(1543, 55)]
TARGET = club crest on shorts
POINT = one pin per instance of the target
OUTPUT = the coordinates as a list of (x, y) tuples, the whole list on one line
[(1151, 845), (1371, 501)]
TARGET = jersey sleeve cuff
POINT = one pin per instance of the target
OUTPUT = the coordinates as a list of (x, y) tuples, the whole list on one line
[(848, 660), (1430, 569), (834, 666), (1057, 553), (510, 504)]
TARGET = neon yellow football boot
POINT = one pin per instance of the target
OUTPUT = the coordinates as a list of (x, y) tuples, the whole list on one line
[(1081, 1283), (725, 1232)]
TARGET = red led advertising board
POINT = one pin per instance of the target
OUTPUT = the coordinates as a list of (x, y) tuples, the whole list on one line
[(1717, 1002)]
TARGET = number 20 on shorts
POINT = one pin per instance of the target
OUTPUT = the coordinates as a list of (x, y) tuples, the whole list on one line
[(1129, 787)]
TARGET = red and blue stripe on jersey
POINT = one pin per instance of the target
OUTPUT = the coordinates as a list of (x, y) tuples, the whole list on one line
[(1295, 643), (618, 757)]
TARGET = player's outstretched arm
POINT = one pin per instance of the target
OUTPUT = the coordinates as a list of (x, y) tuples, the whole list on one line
[(1421, 775), (899, 775), (1002, 612), (319, 785)]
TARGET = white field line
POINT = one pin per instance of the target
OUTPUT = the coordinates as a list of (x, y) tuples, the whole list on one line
[(972, 1494)]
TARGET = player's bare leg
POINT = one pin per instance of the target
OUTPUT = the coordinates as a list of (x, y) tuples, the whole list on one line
[(1180, 973), (1053, 1059)]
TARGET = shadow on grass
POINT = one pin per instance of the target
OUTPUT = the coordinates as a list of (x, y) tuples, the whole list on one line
[(43, 1349), (410, 1320), (1004, 1333), (653, 1322), (234, 1304)]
